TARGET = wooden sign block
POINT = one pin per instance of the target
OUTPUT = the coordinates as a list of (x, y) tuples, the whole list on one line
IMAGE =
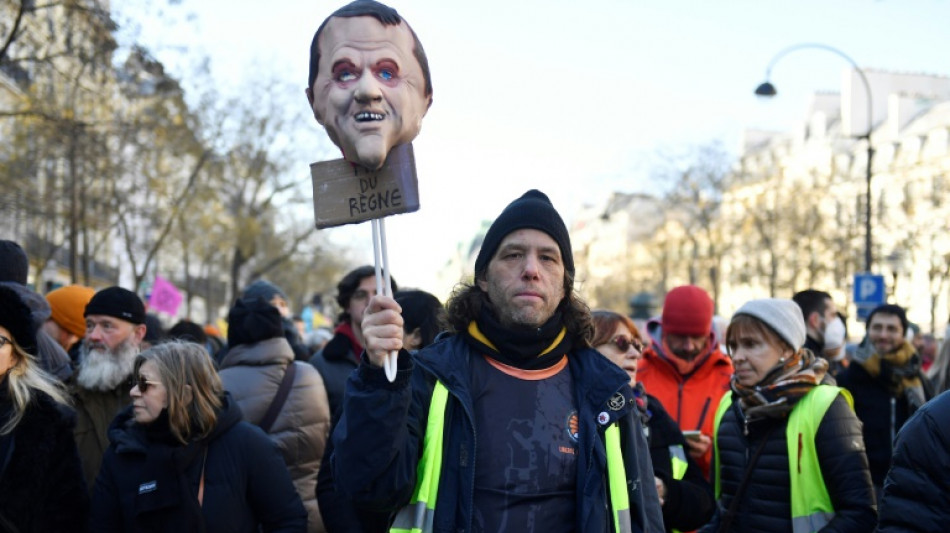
[(345, 193)]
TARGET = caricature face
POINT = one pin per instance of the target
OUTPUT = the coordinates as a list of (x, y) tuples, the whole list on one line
[(369, 92)]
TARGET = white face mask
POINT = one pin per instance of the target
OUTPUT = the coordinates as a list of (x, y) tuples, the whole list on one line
[(834, 334)]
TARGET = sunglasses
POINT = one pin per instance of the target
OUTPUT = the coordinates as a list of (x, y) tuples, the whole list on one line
[(624, 343), (4, 341), (142, 383)]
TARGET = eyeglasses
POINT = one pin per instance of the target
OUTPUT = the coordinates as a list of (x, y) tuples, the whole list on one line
[(624, 343), (4, 341), (142, 383)]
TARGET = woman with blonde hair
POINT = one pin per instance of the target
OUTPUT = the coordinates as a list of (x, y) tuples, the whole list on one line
[(182, 459), (41, 483)]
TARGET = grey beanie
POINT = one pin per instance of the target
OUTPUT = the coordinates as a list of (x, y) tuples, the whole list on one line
[(782, 315)]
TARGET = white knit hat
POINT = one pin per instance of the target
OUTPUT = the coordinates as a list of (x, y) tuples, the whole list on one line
[(782, 315)]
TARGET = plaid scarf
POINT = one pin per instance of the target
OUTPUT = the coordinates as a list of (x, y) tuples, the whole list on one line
[(781, 388), (898, 370)]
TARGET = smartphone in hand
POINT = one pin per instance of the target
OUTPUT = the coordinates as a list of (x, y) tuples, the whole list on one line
[(692, 434)]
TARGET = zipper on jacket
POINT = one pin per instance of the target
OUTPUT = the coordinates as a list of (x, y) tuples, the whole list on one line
[(471, 464), (703, 413), (679, 403), (893, 420)]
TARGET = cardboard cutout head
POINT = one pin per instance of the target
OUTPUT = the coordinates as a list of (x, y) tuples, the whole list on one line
[(369, 83)]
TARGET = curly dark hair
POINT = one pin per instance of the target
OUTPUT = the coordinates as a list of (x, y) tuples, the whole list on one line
[(348, 285), (467, 300)]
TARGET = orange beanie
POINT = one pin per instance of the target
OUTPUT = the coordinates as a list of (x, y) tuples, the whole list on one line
[(68, 304)]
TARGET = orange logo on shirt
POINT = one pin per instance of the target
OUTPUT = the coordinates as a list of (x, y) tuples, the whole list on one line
[(573, 426)]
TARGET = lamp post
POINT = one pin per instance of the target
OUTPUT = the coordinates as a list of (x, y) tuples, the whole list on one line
[(766, 89)]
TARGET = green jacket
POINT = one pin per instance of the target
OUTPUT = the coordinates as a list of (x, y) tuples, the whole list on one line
[(94, 412)]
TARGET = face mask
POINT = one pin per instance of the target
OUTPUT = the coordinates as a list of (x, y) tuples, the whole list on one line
[(834, 334)]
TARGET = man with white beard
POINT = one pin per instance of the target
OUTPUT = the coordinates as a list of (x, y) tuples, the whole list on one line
[(115, 327)]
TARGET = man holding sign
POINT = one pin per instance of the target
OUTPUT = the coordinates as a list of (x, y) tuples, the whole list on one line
[(540, 431)]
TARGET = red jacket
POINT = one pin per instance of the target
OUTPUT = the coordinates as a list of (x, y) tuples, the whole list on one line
[(692, 399)]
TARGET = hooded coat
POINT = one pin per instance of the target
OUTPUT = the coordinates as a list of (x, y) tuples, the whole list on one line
[(252, 373), (692, 399), (150, 485)]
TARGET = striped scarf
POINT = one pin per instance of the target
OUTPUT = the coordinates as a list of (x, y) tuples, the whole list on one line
[(776, 395)]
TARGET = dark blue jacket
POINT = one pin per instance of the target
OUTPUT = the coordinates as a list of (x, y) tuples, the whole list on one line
[(881, 414), (152, 486), (917, 488), (378, 440)]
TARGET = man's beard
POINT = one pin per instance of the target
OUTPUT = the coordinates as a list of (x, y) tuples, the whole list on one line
[(103, 369), (688, 355)]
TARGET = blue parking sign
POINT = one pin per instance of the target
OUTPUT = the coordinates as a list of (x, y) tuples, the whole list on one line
[(869, 293)]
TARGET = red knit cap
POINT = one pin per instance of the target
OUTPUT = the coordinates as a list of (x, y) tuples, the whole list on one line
[(687, 310)]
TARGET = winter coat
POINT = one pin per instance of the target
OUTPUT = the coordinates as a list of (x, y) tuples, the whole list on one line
[(766, 502), (917, 487), (873, 404), (692, 399), (252, 373), (95, 411), (689, 502), (378, 440), (335, 362), (42, 489), (152, 485)]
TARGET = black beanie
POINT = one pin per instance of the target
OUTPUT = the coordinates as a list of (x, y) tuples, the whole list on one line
[(16, 317), (117, 302), (253, 320), (14, 265), (532, 210)]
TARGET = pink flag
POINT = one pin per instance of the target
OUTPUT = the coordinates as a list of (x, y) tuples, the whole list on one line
[(165, 297)]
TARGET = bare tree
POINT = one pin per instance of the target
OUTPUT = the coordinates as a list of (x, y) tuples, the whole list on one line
[(696, 184)]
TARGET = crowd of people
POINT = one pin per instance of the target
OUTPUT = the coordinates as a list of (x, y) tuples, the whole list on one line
[(514, 408)]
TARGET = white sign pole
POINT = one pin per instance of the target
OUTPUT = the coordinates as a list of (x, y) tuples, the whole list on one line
[(383, 284)]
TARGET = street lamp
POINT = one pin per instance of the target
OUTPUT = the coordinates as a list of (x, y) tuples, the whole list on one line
[(767, 90)]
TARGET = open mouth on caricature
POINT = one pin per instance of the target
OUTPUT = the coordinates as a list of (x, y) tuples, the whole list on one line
[(368, 116)]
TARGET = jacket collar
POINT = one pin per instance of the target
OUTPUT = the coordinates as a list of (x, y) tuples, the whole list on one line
[(597, 381), (339, 348), (270, 351), (128, 437)]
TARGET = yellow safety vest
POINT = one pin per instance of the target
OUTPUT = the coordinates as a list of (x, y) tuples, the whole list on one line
[(679, 464), (417, 517), (811, 505)]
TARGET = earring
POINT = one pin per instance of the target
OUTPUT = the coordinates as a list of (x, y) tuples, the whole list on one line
[(782, 360)]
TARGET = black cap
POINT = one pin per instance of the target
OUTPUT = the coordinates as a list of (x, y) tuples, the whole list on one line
[(16, 317), (253, 320), (117, 302), (533, 210)]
